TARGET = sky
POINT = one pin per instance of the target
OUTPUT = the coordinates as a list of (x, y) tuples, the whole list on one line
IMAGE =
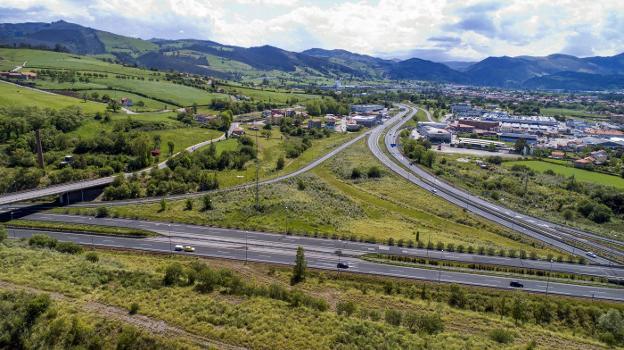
[(439, 30)]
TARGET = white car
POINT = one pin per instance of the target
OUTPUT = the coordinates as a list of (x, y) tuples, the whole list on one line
[(178, 248), (590, 254)]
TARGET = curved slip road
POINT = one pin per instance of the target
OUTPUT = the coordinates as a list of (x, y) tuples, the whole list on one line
[(538, 229), (327, 261)]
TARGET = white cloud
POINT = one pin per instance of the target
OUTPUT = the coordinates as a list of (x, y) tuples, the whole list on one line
[(390, 27)]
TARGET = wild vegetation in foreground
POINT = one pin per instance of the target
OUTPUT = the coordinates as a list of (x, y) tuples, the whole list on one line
[(256, 306), (351, 197)]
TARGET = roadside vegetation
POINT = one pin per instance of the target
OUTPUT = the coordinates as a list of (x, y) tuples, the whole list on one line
[(257, 306), (350, 196), (80, 228), (557, 197)]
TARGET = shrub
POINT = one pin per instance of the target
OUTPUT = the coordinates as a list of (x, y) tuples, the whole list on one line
[(173, 273), (374, 172), (92, 257), (189, 204), (134, 308), (431, 323), (502, 336), (280, 163), (3, 234), (356, 173), (68, 247), (207, 203), (346, 308), (42, 241), (101, 212), (393, 317)]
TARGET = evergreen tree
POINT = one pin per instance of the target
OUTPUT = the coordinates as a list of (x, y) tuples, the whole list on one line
[(299, 270)]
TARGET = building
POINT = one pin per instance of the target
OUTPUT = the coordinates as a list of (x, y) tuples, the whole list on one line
[(557, 155), (365, 109), (237, 132), (511, 137), (126, 102), (463, 110), (314, 124), (600, 157), (584, 163), (352, 126), (602, 143), (435, 135), (204, 118), (274, 119), (604, 133), (18, 75), (367, 120), (478, 144), (481, 124)]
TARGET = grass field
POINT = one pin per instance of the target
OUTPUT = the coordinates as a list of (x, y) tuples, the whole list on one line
[(119, 279), (274, 96), (150, 105), (571, 113), (567, 171), (12, 95)]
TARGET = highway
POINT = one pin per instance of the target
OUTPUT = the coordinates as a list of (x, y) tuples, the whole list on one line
[(195, 234), (533, 227), (328, 261)]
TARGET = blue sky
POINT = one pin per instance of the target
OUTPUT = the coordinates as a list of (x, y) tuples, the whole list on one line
[(440, 30)]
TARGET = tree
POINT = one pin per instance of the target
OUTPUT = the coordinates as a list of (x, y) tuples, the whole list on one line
[(280, 163), (612, 322), (207, 203), (189, 204), (38, 121), (266, 134), (299, 270), (113, 105), (171, 147), (518, 312), (374, 172), (520, 145), (346, 308), (163, 205), (173, 273)]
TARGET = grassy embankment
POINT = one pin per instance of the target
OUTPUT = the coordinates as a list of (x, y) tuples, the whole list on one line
[(80, 228), (17, 96), (349, 311), (328, 202), (567, 171), (549, 196)]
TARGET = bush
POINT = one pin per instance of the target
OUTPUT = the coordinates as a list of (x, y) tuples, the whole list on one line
[(280, 163), (188, 204), (42, 241), (346, 308), (134, 308), (92, 257), (3, 234), (68, 247), (374, 172), (207, 203), (356, 173), (102, 212), (393, 317), (431, 323), (502, 336), (173, 273)]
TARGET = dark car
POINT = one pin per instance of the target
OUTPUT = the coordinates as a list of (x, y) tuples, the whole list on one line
[(342, 265), (516, 284)]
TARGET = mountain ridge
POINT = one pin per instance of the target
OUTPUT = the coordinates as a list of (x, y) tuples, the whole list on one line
[(233, 62)]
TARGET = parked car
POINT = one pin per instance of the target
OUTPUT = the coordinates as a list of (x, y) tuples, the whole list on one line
[(189, 249), (178, 248), (516, 284), (342, 265)]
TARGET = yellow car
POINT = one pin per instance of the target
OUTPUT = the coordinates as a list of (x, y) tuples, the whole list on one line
[(189, 249)]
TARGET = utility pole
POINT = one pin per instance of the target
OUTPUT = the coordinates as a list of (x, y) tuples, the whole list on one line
[(170, 250), (246, 247), (440, 267), (257, 176)]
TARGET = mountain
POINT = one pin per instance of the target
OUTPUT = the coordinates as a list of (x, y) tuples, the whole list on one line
[(268, 62), (417, 69), (576, 81), (460, 66)]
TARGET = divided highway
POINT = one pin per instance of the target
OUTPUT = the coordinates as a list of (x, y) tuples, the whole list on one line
[(327, 261), (195, 234), (533, 227)]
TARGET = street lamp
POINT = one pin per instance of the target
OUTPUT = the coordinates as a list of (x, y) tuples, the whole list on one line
[(169, 231), (246, 247), (440, 267), (286, 207), (548, 280)]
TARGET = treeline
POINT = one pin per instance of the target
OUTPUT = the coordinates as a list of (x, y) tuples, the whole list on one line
[(418, 150), (317, 107), (240, 107)]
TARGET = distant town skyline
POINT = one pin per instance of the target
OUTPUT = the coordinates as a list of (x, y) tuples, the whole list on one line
[(434, 30)]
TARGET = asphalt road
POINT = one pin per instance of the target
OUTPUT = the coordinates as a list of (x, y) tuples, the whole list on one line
[(328, 262), (533, 227), (195, 234)]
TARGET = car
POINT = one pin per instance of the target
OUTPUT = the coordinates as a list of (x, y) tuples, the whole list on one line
[(189, 249), (591, 255), (178, 248), (516, 284), (433, 190), (342, 265)]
